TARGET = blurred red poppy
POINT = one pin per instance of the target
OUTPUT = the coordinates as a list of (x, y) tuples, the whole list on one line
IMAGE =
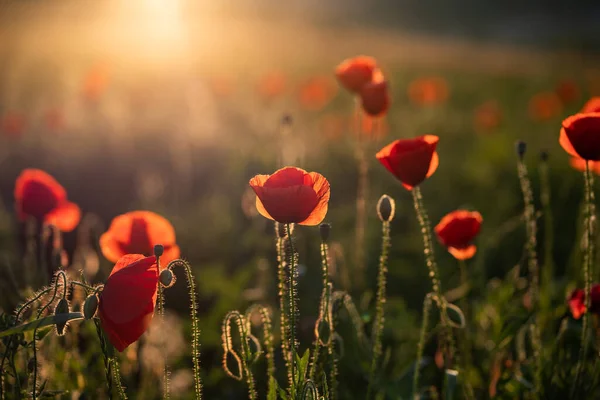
[(488, 116), (12, 125), (354, 73), (411, 160), (272, 85), (316, 93), (428, 91), (39, 195), (544, 106), (457, 230), (577, 301), (375, 96), (579, 164), (592, 105), (568, 91), (580, 136), (95, 82), (292, 195), (137, 232), (127, 301)]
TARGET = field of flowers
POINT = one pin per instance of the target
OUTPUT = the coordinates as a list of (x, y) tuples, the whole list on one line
[(349, 227)]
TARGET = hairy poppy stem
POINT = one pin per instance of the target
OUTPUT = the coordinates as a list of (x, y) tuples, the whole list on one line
[(379, 320), (283, 301), (587, 273), (292, 308), (421, 346), (265, 318), (533, 269), (166, 372), (545, 198), (324, 310), (243, 329), (107, 367)]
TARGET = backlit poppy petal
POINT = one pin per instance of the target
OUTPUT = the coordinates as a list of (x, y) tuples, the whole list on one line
[(463, 254), (592, 105), (577, 303), (171, 253), (457, 230), (582, 131), (563, 140), (65, 216), (354, 73), (111, 248), (375, 98), (321, 187), (435, 163), (123, 334)]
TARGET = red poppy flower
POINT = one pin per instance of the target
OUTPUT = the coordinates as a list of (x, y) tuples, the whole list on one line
[(375, 96), (272, 85), (127, 301), (577, 301), (95, 82), (488, 116), (579, 164), (592, 105), (544, 106), (12, 125), (457, 230), (428, 91), (354, 73), (292, 195), (39, 195), (580, 136), (137, 232), (411, 160), (568, 91), (316, 93)]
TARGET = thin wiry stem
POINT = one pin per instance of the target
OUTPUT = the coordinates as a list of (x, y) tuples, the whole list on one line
[(195, 323), (587, 273), (265, 318), (107, 368), (243, 361), (379, 305), (116, 376), (421, 346), (292, 307), (166, 372), (283, 301), (545, 198)]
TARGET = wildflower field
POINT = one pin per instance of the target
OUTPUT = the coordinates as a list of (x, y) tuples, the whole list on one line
[(346, 213)]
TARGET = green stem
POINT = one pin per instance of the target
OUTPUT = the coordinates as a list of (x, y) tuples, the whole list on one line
[(379, 305), (267, 326), (283, 301), (107, 368), (548, 270), (421, 346), (292, 307), (116, 376), (166, 372)]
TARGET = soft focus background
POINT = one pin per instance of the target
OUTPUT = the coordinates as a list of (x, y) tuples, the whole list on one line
[(172, 106)]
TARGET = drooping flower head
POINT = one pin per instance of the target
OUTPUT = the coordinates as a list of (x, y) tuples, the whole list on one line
[(354, 73), (576, 301), (137, 232), (375, 96), (411, 160), (292, 195), (127, 301), (580, 136), (592, 105), (40, 196), (457, 230)]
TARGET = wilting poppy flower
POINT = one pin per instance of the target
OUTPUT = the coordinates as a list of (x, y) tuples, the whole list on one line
[(411, 160), (137, 232), (95, 82), (580, 136), (579, 164), (592, 105), (488, 115), (272, 85), (457, 230), (354, 73), (127, 301), (39, 195), (577, 301), (292, 195), (316, 93), (428, 91), (375, 96), (568, 91), (544, 106), (12, 125)]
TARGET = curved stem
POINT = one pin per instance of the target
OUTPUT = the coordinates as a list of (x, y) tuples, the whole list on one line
[(324, 310), (267, 326)]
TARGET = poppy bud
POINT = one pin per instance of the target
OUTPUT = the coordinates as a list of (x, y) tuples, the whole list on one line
[(90, 306), (159, 250), (544, 155), (521, 148), (323, 331), (166, 278), (61, 308), (386, 208), (325, 229)]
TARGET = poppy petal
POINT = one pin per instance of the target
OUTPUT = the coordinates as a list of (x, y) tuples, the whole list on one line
[(564, 141), (123, 334), (110, 247), (583, 132), (261, 209), (463, 254), (65, 217), (322, 189), (171, 253), (435, 163)]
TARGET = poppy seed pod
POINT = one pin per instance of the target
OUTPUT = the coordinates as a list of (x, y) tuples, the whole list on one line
[(90, 306), (166, 278), (325, 230), (544, 155), (386, 208), (521, 148), (159, 249), (61, 308)]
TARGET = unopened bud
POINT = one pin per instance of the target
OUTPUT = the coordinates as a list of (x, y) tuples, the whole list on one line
[(386, 208), (544, 155), (166, 278), (521, 148), (61, 308), (159, 250), (325, 230), (90, 306)]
